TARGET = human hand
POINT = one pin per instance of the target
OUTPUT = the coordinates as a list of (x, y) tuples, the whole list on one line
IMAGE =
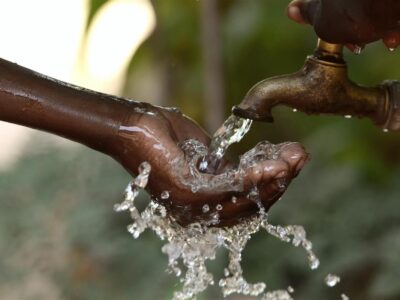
[(159, 136), (353, 23)]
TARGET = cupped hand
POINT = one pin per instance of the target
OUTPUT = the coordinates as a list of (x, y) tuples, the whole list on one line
[(354, 23), (160, 136)]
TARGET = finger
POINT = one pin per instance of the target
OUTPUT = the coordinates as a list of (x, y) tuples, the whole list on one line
[(294, 155), (294, 12), (392, 40), (241, 208), (268, 198), (264, 172), (303, 11)]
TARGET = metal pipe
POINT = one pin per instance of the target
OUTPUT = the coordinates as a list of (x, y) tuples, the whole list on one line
[(322, 86)]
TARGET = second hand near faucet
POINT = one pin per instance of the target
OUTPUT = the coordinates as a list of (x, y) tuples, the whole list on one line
[(322, 86)]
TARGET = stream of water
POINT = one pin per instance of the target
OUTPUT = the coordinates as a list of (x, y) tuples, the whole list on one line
[(189, 248), (232, 131)]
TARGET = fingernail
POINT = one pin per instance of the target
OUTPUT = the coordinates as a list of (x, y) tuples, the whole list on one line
[(295, 14)]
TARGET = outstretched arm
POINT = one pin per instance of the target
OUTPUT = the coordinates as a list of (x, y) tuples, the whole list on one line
[(30, 99), (132, 132)]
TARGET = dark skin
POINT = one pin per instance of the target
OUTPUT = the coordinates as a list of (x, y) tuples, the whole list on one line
[(350, 22), (132, 132), (158, 142)]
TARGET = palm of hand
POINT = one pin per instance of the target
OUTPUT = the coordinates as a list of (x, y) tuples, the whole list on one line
[(158, 136)]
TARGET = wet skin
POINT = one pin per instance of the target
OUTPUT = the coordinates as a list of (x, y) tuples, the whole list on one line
[(132, 132), (350, 22)]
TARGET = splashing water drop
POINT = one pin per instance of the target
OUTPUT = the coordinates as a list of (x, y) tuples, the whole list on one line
[(358, 49), (226, 272), (165, 195), (192, 246), (345, 297), (144, 171), (332, 280), (313, 262), (348, 116), (294, 109), (277, 295)]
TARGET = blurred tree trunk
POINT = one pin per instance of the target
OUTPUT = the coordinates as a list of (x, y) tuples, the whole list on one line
[(214, 95)]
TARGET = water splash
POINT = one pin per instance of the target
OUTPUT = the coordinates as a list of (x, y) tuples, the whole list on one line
[(277, 295), (332, 280), (232, 131), (189, 248)]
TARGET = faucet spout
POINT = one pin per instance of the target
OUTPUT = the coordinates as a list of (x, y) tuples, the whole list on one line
[(322, 86)]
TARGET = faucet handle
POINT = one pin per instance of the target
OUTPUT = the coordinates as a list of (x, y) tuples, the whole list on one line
[(393, 118)]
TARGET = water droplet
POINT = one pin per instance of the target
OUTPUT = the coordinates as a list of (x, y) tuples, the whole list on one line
[(307, 245), (131, 193), (219, 207), (122, 206), (215, 219), (234, 199), (345, 297), (206, 208), (358, 49), (143, 177), (134, 230), (313, 261), (290, 290), (392, 49), (203, 165), (226, 272), (348, 116), (332, 280), (165, 195), (294, 109), (385, 130), (277, 295), (281, 184)]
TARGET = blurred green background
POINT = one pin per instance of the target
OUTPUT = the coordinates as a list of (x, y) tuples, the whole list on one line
[(60, 238)]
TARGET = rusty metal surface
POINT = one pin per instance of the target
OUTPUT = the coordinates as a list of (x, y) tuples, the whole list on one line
[(322, 86)]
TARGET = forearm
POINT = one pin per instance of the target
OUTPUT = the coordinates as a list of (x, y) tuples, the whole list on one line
[(33, 100)]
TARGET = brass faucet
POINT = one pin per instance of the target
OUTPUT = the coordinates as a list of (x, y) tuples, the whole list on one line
[(322, 86)]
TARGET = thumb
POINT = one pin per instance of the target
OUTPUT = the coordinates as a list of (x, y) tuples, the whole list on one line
[(303, 11)]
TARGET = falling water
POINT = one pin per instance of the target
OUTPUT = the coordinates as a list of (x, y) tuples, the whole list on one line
[(197, 243), (232, 131), (189, 248)]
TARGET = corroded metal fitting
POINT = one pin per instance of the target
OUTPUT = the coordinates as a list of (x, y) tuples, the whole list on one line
[(393, 116)]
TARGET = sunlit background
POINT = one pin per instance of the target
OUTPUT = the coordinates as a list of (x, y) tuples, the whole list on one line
[(59, 237)]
